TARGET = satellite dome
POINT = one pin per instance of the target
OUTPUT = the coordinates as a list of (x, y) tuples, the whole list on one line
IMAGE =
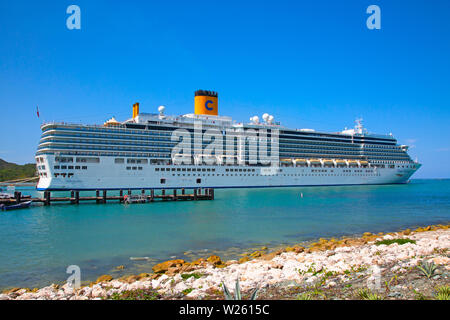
[(254, 119)]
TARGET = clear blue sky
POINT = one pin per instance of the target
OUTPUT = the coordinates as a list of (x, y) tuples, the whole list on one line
[(312, 64)]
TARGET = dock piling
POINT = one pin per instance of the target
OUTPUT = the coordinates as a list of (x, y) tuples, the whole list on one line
[(152, 195)]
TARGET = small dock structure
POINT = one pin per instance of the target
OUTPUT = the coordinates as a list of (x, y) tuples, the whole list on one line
[(101, 196)]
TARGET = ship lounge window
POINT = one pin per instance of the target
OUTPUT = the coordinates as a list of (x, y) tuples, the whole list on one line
[(88, 160), (199, 180), (63, 159), (119, 160), (163, 181)]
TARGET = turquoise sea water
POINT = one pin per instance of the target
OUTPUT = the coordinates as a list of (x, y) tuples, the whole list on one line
[(37, 244)]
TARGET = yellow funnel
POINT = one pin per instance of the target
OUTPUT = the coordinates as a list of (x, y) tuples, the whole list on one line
[(206, 102), (135, 109)]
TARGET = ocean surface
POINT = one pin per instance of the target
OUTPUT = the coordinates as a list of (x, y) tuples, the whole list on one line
[(38, 244)]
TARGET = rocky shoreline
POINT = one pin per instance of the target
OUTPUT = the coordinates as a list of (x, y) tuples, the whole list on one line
[(374, 266)]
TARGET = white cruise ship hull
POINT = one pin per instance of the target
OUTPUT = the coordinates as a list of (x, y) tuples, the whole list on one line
[(108, 175)]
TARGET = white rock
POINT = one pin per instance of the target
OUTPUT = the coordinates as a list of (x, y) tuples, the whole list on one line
[(98, 291)]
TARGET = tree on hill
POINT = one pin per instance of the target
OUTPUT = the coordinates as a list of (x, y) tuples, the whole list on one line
[(12, 171)]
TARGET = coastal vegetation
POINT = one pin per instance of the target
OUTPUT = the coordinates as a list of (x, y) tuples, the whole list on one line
[(366, 294), (237, 292), (195, 275), (11, 171), (139, 294), (443, 293), (391, 241), (427, 268)]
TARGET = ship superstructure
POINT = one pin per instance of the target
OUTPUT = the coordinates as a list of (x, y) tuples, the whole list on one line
[(153, 150)]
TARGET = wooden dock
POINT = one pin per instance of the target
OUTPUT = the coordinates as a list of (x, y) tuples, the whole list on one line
[(101, 196)]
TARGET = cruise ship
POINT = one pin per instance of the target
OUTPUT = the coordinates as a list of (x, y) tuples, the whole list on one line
[(206, 150)]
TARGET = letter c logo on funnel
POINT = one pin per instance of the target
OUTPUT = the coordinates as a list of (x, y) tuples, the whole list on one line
[(206, 105)]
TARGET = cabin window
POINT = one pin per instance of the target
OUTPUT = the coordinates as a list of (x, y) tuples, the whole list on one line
[(199, 180), (163, 181), (119, 160)]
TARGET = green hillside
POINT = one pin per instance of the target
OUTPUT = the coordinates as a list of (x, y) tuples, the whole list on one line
[(12, 171)]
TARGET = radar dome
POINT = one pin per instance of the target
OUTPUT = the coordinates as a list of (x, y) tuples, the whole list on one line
[(254, 119)]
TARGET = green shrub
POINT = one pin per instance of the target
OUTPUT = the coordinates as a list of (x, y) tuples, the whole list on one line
[(442, 293), (399, 241), (305, 296), (365, 294), (196, 275), (187, 291), (427, 269), (135, 295), (237, 292)]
